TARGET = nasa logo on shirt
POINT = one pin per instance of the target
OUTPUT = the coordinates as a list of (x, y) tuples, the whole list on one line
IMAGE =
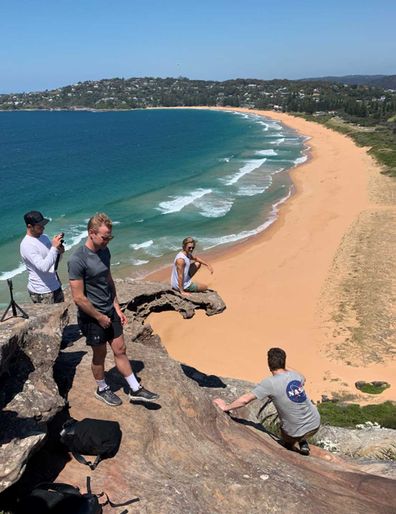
[(295, 391)]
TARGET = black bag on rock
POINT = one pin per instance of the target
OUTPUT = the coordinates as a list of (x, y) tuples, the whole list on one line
[(57, 498), (91, 437)]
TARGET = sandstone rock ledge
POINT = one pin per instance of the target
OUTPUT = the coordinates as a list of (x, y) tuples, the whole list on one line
[(29, 396), (181, 455)]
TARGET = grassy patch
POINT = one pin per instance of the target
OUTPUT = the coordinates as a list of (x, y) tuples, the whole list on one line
[(372, 389), (342, 415)]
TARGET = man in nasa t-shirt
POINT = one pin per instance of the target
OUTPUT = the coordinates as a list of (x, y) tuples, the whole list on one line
[(298, 415)]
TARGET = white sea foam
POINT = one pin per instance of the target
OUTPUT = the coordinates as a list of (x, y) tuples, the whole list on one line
[(292, 141), (278, 141), (275, 126), (214, 208), (265, 125), (138, 262), (226, 159), (154, 252), (247, 168), (179, 202), (273, 136), (266, 152), (233, 238), (76, 239), (242, 114), (5, 275), (300, 160), (145, 244), (251, 190), (161, 246)]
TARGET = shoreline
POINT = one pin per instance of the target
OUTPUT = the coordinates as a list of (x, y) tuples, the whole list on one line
[(278, 277), (225, 250)]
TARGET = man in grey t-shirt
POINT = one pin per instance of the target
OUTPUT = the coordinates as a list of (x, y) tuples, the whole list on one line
[(298, 416), (99, 314)]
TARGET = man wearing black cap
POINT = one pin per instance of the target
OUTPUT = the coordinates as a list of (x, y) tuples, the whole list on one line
[(40, 255)]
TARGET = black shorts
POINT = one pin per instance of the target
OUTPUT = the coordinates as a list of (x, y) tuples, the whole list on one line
[(95, 334)]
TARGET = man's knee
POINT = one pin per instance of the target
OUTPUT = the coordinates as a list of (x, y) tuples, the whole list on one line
[(194, 268), (118, 346)]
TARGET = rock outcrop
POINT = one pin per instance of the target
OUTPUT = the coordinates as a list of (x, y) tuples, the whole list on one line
[(181, 454), (368, 441), (29, 396)]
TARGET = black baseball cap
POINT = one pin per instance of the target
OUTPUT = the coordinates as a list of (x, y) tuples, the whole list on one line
[(35, 218)]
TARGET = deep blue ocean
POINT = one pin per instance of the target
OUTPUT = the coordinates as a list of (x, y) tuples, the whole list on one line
[(161, 175)]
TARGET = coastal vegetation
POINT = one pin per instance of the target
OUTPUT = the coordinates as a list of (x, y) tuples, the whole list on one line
[(341, 413), (379, 136), (350, 415), (372, 387)]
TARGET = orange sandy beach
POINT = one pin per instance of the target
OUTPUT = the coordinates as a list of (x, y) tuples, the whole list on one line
[(273, 284)]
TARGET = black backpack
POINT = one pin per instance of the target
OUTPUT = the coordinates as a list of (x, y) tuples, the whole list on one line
[(91, 437), (57, 498)]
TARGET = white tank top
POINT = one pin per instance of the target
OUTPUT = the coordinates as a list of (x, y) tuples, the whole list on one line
[(174, 276)]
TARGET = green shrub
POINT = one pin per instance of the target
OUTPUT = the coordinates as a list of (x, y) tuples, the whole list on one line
[(350, 415)]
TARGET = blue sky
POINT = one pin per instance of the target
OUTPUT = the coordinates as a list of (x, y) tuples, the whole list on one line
[(46, 44)]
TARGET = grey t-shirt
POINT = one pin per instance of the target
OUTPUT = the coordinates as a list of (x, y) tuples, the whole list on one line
[(93, 268), (297, 413)]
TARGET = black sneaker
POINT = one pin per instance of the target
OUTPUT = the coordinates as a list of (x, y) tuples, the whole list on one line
[(143, 395), (304, 447), (107, 396)]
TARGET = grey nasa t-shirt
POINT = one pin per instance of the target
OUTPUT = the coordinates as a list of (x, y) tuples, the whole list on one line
[(297, 413), (93, 268)]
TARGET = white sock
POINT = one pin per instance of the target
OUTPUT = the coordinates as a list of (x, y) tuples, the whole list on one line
[(133, 383), (101, 384)]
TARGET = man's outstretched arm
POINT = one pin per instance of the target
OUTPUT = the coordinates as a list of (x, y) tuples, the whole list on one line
[(201, 261), (236, 404)]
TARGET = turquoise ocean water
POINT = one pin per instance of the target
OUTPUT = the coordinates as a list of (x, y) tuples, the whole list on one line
[(161, 175)]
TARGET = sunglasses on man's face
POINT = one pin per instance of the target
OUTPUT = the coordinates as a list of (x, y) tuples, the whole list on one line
[(105, 238), (190, 247)]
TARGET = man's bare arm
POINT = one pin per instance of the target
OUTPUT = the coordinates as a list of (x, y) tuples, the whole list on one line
[(242, 401), (201, 261), (82, 302)]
